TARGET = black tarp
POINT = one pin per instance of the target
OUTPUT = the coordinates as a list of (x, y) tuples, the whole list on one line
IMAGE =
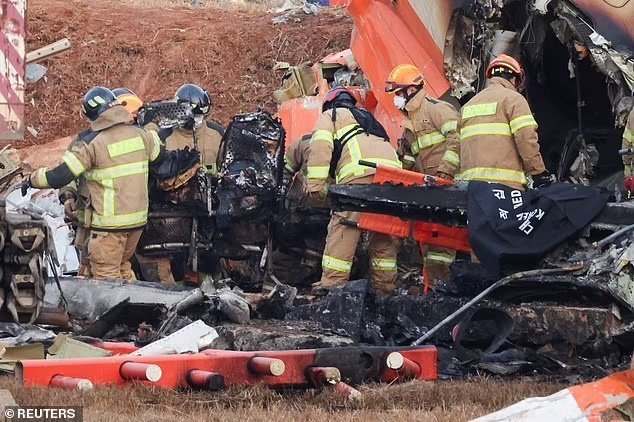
[(512, 230)]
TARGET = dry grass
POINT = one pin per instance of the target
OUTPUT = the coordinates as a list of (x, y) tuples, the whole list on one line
[(421, 401)]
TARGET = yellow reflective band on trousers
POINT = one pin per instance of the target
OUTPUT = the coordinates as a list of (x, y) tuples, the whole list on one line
[(490, 174), (628, 136), (121, 220), (122, 170), (438, 257), (73, 163), (383, 264), (127, 146), (487, 109), (450, 126), (522, 122), (40, 179), (322, 135), (156, 151), (452, 158), (335, 264), (429, 140), (483, 129), (317, 172)]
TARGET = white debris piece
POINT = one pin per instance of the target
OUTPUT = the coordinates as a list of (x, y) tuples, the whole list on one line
[(191, 339)]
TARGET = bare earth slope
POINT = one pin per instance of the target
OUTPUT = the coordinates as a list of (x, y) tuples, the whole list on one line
[(230, 52)]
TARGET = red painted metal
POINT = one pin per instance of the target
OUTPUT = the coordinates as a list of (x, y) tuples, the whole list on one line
[(205, 380), (117, 348), (323, 376), (134, 371), (346, 391), (266, 366), (68, 383), (176, 370)]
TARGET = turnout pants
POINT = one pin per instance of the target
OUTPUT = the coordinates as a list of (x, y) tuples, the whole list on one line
[(82, 237), (110, 253), (157, 269), (341, 245), (438, 262)]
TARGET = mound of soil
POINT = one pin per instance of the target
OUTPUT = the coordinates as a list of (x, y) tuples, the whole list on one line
[(230, 52)]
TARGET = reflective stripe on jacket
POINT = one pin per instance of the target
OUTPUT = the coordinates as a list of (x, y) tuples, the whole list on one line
[(114, 163), (361, 146), (498, 137), (431, 132)]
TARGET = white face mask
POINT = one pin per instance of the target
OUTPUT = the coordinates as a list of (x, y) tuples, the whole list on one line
[(400, 102), (198, 120)]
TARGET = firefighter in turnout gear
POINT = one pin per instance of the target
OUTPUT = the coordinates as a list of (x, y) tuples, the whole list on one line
[(498, 134), (345, 134), (208, 135), (628, 142), (112, 157), (430, 127), (430, 134)]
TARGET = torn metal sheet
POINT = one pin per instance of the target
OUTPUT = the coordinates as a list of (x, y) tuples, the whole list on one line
[(191, 339), (87, 299)]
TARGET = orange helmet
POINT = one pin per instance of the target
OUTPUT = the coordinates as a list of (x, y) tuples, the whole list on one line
[(128, 99), (504, 64), (403, 76)]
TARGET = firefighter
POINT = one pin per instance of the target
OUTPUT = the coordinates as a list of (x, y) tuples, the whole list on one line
[(113, 158), (430, 125), (498, 134), (208, 136), (345, 134), (430, 134), (628, 142)]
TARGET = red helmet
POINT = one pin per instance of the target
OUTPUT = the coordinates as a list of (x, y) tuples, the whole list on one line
[(504, 63), (335, 95)]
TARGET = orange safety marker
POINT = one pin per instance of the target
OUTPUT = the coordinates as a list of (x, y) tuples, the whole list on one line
[(266, 366), (205, 380), (60, 381), (140, 372)]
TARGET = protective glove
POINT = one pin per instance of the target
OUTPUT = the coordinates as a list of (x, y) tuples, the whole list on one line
[(25, 185), (543, 180), (70, 209)]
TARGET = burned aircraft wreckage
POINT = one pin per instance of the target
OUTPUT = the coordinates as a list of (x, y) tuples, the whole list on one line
[(569, 311)]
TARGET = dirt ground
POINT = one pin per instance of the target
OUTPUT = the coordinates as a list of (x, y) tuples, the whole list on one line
[(421, 401), (229, 50)]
